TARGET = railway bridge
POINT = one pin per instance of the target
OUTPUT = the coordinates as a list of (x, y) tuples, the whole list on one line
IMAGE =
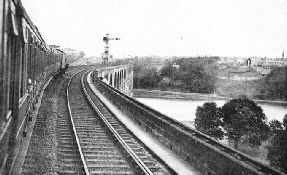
[(119, 77), (103, 130)]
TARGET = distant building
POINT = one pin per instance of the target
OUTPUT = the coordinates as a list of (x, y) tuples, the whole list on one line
[(264, 62), (277, 62), (267, 62), (254, 61), (274, 63)]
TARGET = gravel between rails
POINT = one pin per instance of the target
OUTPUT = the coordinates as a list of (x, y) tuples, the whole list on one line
[(41, 157), (153, 163), (44, 152), (101, 152)]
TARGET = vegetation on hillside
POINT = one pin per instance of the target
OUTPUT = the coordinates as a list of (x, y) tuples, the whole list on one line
[(204, 75), (274, 86), (198, 74), (271, 87), (237, 89), (145, 75), (73, 55), (195, 75)]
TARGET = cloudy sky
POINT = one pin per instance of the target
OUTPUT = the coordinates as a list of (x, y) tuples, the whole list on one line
[(164, 27)]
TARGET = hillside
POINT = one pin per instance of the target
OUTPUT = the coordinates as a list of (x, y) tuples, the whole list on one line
[(73, 55), (237, 88), (237, 82), (87, 61)]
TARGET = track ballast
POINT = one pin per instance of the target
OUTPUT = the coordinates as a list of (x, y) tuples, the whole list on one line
[(105, 145)]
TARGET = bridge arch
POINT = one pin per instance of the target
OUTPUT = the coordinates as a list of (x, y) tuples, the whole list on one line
[(119, 77), (119, 80), (111, 80), (115, 79)]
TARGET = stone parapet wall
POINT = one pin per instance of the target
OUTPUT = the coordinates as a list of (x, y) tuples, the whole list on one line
[(199, 150)]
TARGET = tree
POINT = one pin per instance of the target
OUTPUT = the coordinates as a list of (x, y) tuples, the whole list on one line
[(139, 68), (197, 74), (145, 75), (244, 121), (150, 78), (208, 120), (275, 125), (164, 83), (82, 54), (73, 55), (277, 151), (168, 70), (285, 122), (274, 85)]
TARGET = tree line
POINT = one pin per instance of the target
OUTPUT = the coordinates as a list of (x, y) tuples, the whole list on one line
[(196, 75), (242, 122), (199, 75), (274, 85)]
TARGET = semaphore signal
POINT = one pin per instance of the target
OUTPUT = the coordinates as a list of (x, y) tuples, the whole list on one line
[(106, 54)]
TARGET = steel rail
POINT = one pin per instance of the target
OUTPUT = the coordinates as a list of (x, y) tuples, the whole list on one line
[(139, 162), (74, 128)]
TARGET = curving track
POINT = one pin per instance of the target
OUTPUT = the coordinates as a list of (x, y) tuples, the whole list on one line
[(76, 134), (104, 144), (52, 147)]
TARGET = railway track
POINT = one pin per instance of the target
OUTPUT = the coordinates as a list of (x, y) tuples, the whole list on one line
[(105, 145), (69, 161), (71, 136), (52, 146), (68, 156)]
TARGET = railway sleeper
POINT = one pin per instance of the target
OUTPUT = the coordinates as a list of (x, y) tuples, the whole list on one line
[(107, 162)]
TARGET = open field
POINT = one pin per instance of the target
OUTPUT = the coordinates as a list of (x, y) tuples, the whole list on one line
[(234, 88)]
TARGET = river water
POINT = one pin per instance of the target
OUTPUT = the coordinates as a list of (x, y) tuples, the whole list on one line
[(184, 110)]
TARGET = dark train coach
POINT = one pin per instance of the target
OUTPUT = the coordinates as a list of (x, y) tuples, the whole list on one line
[(26, 63)]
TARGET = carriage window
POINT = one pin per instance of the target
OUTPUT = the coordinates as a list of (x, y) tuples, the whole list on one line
[(12, 43), (29, 56), (23, 72), (14, 24), (23, 61), (11, 49), (25, 34)]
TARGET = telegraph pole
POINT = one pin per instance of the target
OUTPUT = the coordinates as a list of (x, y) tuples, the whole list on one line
[(106, 54)]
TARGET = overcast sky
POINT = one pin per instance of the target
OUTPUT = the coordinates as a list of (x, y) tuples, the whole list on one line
[(164, 27)]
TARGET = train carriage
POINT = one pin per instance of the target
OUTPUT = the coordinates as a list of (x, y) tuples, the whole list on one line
[(26, 63)]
